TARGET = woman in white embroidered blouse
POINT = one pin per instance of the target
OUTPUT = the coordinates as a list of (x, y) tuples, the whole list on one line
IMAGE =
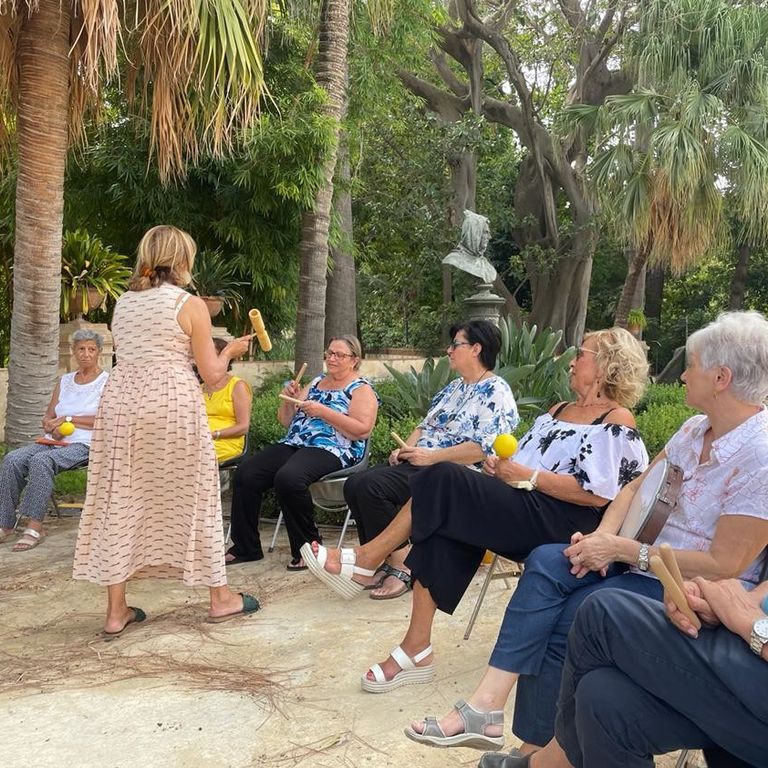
[(572, 463), (719, 529), (74, 402)]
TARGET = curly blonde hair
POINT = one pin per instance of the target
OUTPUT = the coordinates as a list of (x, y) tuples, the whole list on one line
[(624, 365), (166, 255)]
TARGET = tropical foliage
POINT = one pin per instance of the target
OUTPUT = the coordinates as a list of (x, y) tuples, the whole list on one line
[(87, 263)]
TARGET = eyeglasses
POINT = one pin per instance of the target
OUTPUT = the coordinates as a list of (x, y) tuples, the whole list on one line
[(457, 344), (330, 354), (580, 352)]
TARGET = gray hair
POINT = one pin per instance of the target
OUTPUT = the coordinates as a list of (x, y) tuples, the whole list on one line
[(737, 341), (85, 334)]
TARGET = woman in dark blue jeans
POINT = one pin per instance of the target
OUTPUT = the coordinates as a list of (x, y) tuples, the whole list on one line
[(719, 529)]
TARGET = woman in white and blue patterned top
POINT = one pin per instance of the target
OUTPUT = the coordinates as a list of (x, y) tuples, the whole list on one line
[(460, 427), (326, 432)]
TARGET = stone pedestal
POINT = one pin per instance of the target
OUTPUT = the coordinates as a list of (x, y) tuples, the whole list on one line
[(66, 331), (484, 305)]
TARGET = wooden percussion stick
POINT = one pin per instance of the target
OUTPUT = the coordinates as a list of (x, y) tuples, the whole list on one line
[(290, 399), (668, 556), (399, 440), (672, 590), (302, 370)]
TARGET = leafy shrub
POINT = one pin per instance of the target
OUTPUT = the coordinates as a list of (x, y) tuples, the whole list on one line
[(661, 394), (659, 422), (529, 363), (415, 391)]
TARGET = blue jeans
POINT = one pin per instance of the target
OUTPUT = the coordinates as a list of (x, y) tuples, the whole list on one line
[(634, 687), (533, 634)]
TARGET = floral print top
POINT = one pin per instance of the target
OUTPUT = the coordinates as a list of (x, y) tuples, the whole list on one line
[(308, 432), (734, 481), (475, 412), (602, 457)]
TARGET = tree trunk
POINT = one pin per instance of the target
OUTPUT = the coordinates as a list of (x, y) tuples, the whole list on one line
[(313, 250), (637, 263), (42, 140), (654, 294), (739, 279), (341, 289)]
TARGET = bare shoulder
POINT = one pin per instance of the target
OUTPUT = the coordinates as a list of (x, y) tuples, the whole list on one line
[(622, 416)]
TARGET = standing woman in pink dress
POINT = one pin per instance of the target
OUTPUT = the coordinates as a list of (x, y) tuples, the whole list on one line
[(152, 507)]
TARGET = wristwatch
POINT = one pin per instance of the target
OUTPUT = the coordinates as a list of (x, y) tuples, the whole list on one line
[(759, 637), (643, 558), (526, 485)]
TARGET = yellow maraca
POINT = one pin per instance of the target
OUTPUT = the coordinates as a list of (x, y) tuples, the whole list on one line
[(504, 445), (67, 428)]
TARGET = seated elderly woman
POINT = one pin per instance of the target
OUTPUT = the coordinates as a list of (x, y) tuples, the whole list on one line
[(718, 529), (74, 402), (326, 432), (570, 464), (228, 406), (460, 427)]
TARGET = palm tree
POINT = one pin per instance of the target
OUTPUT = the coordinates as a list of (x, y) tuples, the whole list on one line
[(313, 252), (193, 71), (692, 136)]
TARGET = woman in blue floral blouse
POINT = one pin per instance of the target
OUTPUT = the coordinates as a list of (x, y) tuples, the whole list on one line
[(460, 427), (570, 464), (327, 432)]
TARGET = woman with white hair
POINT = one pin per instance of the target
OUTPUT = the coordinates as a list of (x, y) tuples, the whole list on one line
[(74, 402), (718, 530)]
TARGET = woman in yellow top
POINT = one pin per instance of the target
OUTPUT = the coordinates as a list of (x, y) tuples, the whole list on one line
[(228, 405)]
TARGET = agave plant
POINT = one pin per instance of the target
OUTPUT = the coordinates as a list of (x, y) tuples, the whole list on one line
[(216, 277), (415, 391), (90, 271), (530, 363)]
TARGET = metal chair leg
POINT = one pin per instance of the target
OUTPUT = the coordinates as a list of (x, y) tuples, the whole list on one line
[(344, 527), (277, 528), (685, 756), (481, 597)]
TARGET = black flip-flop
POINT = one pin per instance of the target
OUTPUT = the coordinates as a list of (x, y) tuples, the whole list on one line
[(250, 605), (138, 617), (294, 565)]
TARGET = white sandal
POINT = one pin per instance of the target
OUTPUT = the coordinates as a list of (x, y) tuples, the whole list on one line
[(23, 546), (340, 583), (409, 673)]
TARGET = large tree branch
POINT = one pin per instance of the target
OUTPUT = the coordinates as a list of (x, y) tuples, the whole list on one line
[(447, 75), (445, 104)]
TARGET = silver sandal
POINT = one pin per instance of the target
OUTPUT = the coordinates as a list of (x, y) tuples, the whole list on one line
[(473, 736)]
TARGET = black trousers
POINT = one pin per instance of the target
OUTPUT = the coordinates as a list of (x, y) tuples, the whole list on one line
[(290, 471), (376, 495), (459, 513)]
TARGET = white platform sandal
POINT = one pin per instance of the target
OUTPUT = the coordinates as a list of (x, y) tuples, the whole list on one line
[(409, 673), (340, 583)]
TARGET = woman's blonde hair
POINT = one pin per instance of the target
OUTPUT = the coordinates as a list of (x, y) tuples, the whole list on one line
[(166, 255), (624, 365), (354, 347)]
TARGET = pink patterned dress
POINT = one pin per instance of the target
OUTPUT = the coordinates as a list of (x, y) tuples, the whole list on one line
[(152, 507)]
